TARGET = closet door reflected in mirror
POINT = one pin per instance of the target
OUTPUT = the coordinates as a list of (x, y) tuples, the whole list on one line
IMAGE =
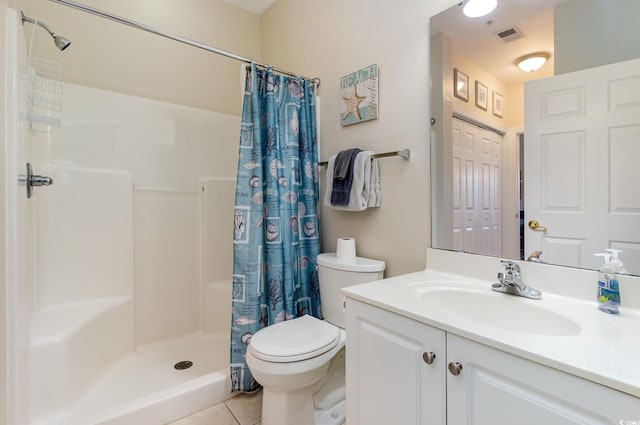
[(477, 185)]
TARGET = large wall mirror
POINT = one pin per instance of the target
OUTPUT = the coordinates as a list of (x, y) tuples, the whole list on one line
[(541, 165)]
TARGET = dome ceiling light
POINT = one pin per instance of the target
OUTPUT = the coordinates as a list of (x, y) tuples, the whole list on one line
[(532, 62), (478, 8)]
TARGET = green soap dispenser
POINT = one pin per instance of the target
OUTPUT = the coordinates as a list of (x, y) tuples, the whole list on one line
[(608, 289)]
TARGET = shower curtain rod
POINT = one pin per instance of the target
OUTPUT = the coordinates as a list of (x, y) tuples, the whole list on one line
[(178, 38)]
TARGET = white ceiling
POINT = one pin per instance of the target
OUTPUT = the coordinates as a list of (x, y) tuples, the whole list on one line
[(252, 6), (476, 39)]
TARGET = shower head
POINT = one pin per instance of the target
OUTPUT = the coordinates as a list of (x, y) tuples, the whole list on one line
[(60, 41)]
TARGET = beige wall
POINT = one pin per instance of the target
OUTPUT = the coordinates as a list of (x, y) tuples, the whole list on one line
[(477, 73), (332, 38), (111, 56), (515, 94)]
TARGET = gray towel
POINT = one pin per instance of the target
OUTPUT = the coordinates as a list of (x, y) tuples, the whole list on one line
[(341, 188), (343, 160), (365, 190)]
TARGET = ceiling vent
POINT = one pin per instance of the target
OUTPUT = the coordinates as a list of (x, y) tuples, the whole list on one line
[(510, 34)]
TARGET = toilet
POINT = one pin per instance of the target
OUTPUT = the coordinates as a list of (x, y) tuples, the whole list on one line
[(300, 362)]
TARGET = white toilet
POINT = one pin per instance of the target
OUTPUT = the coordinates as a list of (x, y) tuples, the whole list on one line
[(300, 362)]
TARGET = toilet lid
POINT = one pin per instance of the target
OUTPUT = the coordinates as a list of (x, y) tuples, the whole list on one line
[(294, 340)]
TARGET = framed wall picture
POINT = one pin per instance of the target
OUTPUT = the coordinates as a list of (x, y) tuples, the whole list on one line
[(460, 85), (497, 104), (482, 95), (359, 96)]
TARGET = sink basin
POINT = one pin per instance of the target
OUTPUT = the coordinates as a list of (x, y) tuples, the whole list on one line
[(502, 311)]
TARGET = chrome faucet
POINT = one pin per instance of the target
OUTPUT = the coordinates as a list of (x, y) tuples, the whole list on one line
[(534, 257), (511, 282)]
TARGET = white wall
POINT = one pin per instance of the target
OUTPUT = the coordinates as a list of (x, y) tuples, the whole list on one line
[(332, 38), (3, 280)]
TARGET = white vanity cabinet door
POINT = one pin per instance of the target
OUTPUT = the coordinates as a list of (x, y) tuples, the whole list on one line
[(498, 388), (388, 378)]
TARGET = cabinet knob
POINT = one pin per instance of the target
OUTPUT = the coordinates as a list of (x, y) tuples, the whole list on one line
[(428, 357), (455, 368)]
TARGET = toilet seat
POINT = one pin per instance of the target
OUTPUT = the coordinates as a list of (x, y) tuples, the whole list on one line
[(294, 340)]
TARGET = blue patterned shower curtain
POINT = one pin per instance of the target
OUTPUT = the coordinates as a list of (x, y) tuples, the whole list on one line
[(275, 234)]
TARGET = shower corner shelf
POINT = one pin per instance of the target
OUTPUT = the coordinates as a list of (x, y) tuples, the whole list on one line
[(44, 92), (40, 120)]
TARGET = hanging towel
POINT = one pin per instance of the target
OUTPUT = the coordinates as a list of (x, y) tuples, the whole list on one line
[(343, 171), (374, 187), (363, 192), (344, 159)]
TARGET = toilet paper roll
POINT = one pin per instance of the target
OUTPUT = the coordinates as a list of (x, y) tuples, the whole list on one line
[(346, 248)]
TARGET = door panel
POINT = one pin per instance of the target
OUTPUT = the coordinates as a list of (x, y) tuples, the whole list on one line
[(389, 380), (495, 387), (581, 150), (477, 184)]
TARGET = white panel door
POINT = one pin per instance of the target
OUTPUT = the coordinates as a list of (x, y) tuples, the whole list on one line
[(477, 183), (458, 188), (582, 152)]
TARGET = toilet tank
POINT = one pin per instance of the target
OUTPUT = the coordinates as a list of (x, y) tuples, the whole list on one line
[(336, 273)]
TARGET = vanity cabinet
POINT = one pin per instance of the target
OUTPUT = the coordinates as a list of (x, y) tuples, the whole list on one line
[(495, 387), (390, 380)]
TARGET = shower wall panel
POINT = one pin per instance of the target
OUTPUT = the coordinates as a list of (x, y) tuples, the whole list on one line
[(126, 215), (168, 264), (20, 289), (84, 230), (218, 201)]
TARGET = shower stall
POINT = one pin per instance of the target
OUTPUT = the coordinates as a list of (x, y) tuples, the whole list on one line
[(119, 273)]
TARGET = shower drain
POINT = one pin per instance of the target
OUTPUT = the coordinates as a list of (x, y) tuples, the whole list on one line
[(185, 364)]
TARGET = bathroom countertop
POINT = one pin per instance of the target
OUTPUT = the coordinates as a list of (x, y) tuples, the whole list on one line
[(603, 348)]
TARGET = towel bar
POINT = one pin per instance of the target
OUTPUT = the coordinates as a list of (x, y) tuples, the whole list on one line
[(404, 153)]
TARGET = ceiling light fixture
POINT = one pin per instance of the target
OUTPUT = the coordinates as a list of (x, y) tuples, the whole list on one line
[(532, 62), (477, 8)]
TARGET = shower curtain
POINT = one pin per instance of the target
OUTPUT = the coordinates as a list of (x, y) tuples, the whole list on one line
[(275, 225)]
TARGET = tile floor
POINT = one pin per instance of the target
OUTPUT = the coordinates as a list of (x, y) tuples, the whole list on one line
[(243, 409)]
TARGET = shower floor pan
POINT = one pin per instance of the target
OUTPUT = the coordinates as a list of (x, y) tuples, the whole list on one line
[(146, 388)]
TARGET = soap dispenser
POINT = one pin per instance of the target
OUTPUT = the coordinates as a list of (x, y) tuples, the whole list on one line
[(615, 261), (608, 290)]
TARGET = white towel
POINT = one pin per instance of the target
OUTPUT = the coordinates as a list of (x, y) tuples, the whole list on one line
[(374, 186), (365, 183)]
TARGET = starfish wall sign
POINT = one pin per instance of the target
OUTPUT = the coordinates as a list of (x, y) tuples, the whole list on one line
[(353, 103), (359, 96)]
